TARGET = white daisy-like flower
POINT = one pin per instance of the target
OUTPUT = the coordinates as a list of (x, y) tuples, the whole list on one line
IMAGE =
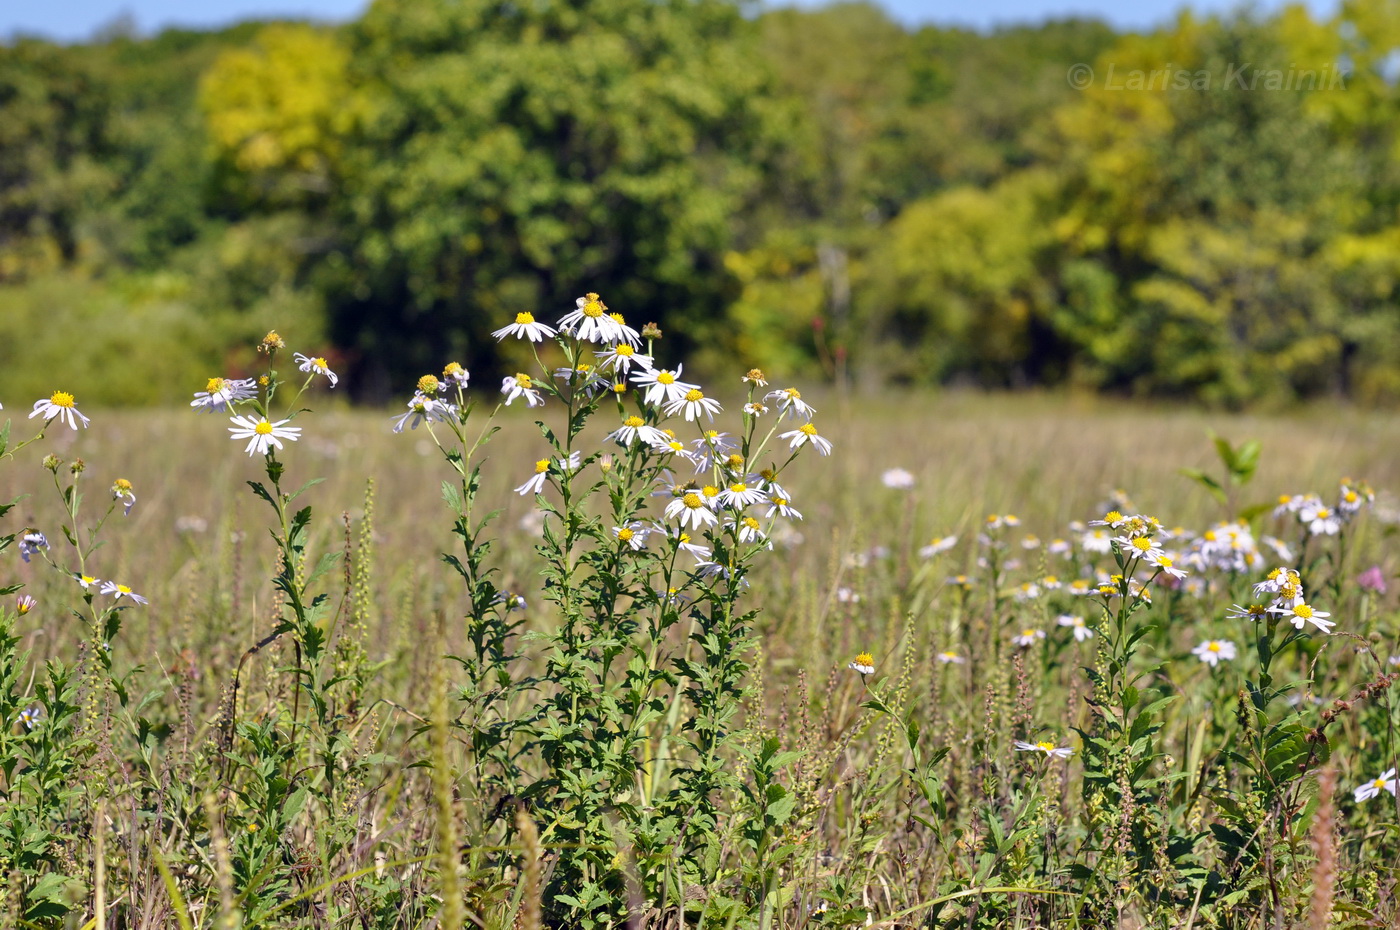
[(535, 483), (755, 377), (806, 433), (750, 531), (525, 327), (939, 545), (949, 657), (591, 322), (317, 365), (740, 495), (1166, 563), (24, 604), (121, 491), (1320, 519), (1082, 630), (454, 374), (120, 591), (684, 542), (634, 428), (512, 600), (1050, 749), (621, 357), (220, 394), (583, 376), (1387, 782), (634, 534), (424, 409), (261, 434), (626, 334), (520, 385), (898, 479), (712, 448), (1301, 614), (31, 542), (694, 403), (1097, 541), (1144, 547), (59, 404), (87, 581), (1254, 612), (1212, 651), (782, 506), (864, 663), (691, 511), (31, 716), (1028, 637), (755, 409), (790, 403), (663, 386)]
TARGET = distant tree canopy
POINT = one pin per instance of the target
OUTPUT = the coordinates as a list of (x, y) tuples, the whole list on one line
[(812, 190)]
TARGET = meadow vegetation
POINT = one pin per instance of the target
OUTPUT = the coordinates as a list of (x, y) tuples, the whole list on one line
[(429, 699)]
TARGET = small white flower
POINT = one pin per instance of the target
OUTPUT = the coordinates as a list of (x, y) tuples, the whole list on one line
[(634, 534), (1082, 631), (755, 409), (691, 510), (807, 433), (1301, 614), (740, 495), (121, 491), (897, 479), (525, 327), (790, 403), (317, 365), (1387, 782), (634, 428), (261, 434), (512, 600), (1050, 749), (1028, 637), (220, 394), (847, 596), (60, 405), (750, 531), (32, 541), (864, 663), (783, 508), (121, 591), (949, 656), (424, 409), (591, 322), (31, 716), (535, 483), (620, 359), (694, 403), (520, 385), (942, 544), (663, 386), (1213, 650), (87, 581)]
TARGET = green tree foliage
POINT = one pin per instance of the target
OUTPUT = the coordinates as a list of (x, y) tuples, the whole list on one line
[(515, 154)]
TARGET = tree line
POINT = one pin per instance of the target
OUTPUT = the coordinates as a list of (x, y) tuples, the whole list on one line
[(809, 191)]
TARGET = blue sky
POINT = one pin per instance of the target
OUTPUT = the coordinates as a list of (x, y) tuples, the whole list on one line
[(74, 20)]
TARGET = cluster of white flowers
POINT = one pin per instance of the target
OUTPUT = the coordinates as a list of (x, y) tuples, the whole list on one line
[(1319, 519), (1282, 593)]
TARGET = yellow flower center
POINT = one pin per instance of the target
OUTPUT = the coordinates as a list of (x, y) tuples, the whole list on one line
[(685, 537), (523, 381), (710, 490), (1323, 513), (121, 484), (780, 501), (617, 318), (1142, 543), (738, 487), (319, 364), (214, 385), (594, 307), (676, 446), (61, 399), (123, 589), (808, 429), (632, 421), (1165, 561), (694, 394), (619, 388), (625, 534), (524, 319), (793, 393), (692, 500), (750, 522), (1113, 516), (427, 384), (865, 658), (1213, 646), (451, 369), (624, 350), (263, 428), (1304, 611), (665, 377), (735, 461), (541, 466), (1045, 746), (1378, 783)]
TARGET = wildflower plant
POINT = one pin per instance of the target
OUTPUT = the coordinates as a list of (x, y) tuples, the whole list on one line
[(626, 756)]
